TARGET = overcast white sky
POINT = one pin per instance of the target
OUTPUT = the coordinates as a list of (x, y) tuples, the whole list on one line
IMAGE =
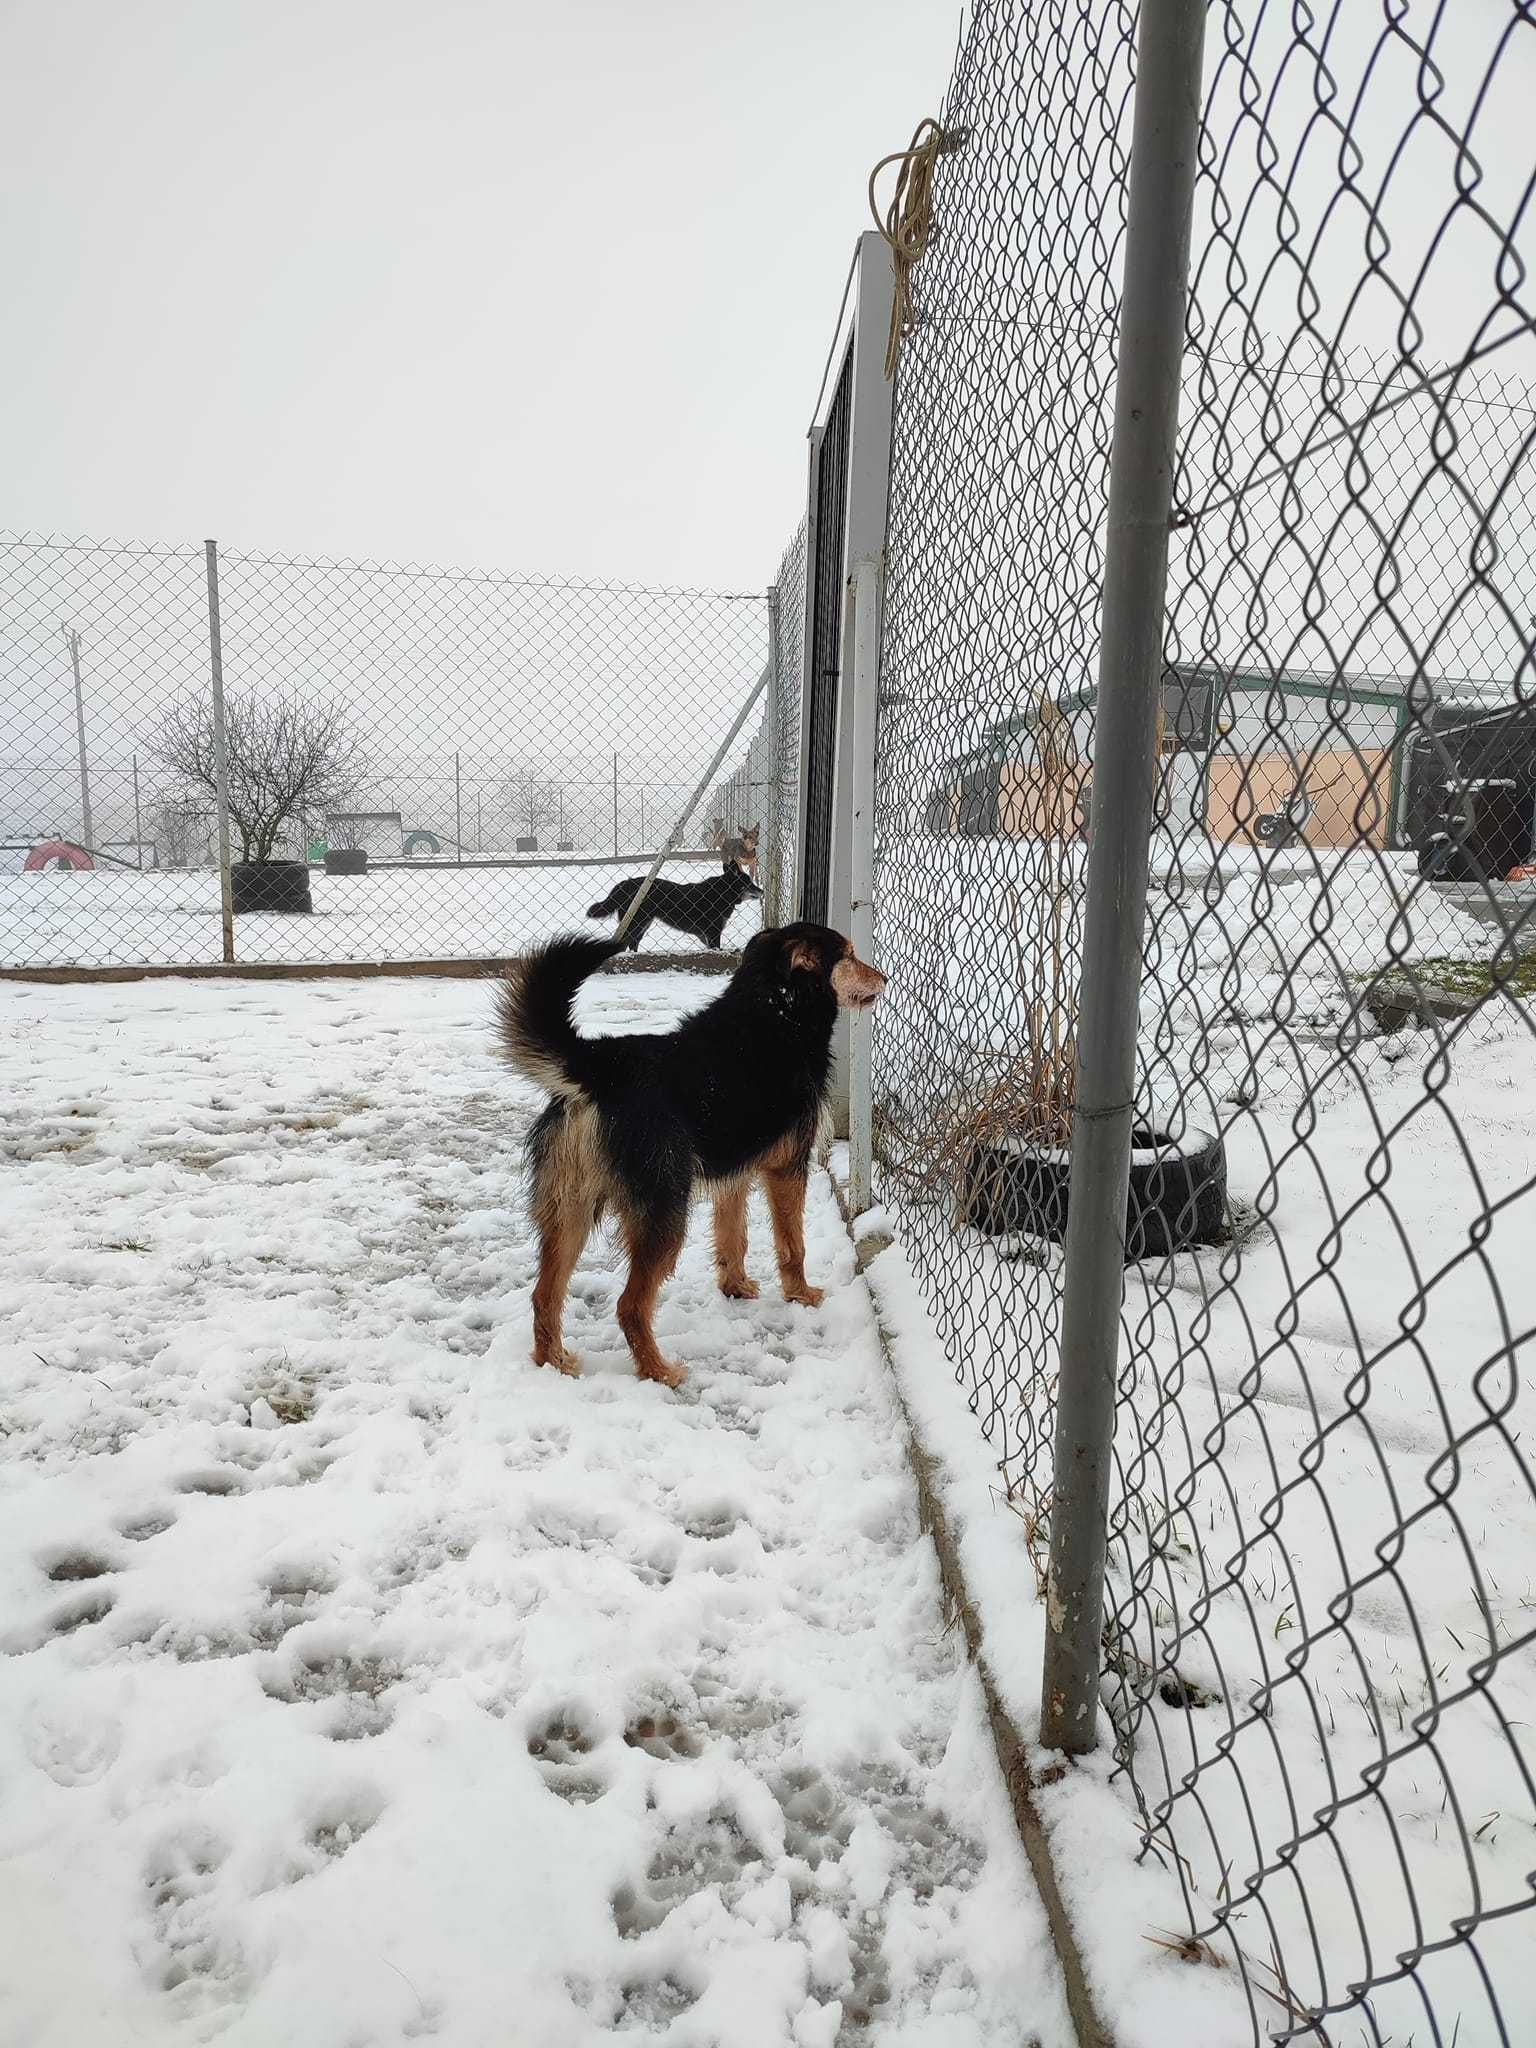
[(475, 281)]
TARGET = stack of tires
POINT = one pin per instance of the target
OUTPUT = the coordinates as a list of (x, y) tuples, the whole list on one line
[(272, 886)]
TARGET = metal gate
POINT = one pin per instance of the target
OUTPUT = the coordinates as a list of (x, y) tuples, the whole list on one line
[(824, 645)]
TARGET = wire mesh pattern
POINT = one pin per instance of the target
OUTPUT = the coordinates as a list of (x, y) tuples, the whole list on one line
[(754, 811), (457, 761), (1319, 1651)]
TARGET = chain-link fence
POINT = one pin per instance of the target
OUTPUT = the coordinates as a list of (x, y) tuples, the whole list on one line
[(755, 810), (417, 764), (1318, 1655)]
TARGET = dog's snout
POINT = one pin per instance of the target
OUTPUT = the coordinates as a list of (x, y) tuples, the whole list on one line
[(855, 983)]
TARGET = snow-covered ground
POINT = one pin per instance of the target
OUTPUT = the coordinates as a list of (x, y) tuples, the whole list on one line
[(979, 930), (427, 911), (362, 1684)]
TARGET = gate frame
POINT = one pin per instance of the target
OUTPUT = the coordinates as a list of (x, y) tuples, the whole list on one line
[(866, 500)]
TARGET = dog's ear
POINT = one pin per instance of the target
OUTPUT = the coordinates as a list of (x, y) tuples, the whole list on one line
[(728, 867), (801, 957)]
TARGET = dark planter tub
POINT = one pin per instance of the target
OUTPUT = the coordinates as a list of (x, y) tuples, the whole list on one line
[(346, 860), (271, 885), (1177, 1197)]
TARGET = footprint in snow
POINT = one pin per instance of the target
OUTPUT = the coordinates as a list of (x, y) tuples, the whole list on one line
[(217, 1481), (145, 1527), (558, 1750), (664, 1737), (77, 1564), (62, 1621), (355, 1689), (72, 1745), (189, 1954)]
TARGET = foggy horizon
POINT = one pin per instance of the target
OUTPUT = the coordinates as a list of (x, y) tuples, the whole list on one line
[(535, 293)]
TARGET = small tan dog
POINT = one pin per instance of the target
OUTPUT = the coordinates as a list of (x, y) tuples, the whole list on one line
[(743, 849)]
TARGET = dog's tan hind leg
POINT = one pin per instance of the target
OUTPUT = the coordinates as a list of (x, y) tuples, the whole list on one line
[(653, 1245), (564, 1221)]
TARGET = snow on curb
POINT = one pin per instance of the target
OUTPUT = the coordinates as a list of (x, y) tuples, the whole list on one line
[(1116, 1907)]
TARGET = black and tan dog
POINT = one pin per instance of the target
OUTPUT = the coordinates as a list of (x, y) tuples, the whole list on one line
[(637, 1123), (703, 909)]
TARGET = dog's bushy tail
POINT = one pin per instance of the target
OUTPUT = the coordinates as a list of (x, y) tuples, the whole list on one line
[(533, 1012)]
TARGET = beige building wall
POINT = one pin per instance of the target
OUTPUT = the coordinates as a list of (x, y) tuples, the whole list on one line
[(1349, 790)]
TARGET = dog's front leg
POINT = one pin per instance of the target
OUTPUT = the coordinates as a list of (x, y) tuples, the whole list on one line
[(731, 1241), (786, 1205)]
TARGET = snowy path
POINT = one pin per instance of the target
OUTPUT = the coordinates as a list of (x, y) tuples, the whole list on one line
[(363, 1685)]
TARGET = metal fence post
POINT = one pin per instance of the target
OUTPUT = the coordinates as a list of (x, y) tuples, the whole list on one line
[(770, 857), (700, 789), (458, 812), (88, 835), (861, 842), (138, 828), (1159, 204), (615, 805), (220, 751)]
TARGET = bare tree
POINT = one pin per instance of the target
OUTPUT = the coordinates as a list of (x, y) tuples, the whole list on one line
[(536, 801), (287, 759), (346, 830)]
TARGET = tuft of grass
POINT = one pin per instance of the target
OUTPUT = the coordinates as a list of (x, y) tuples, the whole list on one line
[(1477, 978), (1187, 1947), (292, 1404)]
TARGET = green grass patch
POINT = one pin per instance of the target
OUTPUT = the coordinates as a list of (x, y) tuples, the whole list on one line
[(1476, 978)]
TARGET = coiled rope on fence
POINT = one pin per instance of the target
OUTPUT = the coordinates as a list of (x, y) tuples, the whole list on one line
[(907, 222)]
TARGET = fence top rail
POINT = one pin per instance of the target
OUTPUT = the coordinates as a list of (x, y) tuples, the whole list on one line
[(361, 566)]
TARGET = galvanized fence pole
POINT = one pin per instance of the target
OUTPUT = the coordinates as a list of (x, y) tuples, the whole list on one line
[(675, 837), (138, 827), (861, 842), (87, 829), (770, 858), (458, 811), (220, 751), (1159, 204)]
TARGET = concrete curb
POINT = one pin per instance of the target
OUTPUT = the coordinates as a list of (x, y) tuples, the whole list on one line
[(1008, 1744), (475, 969)]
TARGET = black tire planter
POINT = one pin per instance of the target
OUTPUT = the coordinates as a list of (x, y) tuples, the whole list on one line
[(1177, 1195), (346, 860), (271, 885)]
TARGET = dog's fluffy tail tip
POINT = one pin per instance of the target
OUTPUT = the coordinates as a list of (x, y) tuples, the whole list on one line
[(533, 1010)]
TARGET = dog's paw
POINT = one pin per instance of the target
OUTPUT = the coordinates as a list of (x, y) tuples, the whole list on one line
[(563, 1361), (666, 1372), (737, 1287), (806, 1295)]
